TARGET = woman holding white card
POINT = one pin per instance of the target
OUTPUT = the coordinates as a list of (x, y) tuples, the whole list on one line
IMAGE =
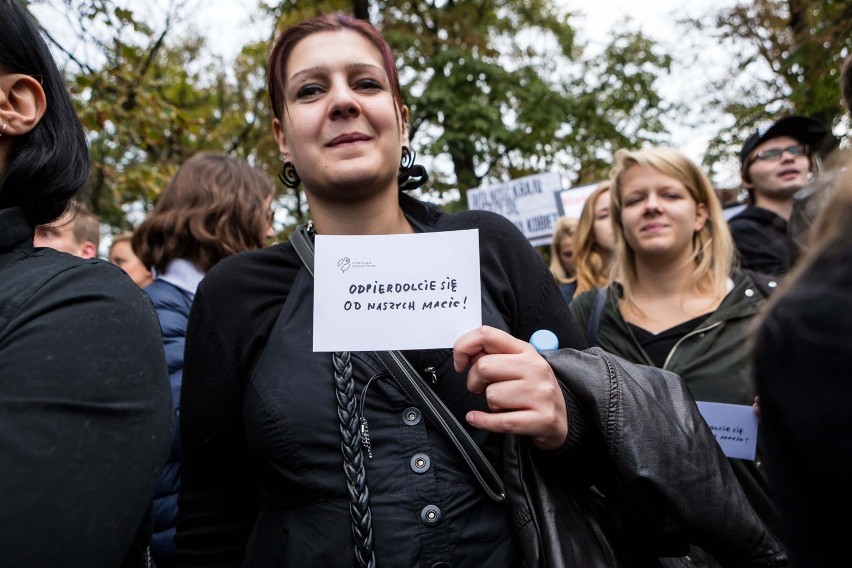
[(302, 458)]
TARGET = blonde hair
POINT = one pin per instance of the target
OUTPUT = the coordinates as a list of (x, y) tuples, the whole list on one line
[(712, 246), (592, 269), (565, 227)]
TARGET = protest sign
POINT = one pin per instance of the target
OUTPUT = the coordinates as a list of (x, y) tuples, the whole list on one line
[(572, 200), (531, 203), (384, 292), (734, 425)]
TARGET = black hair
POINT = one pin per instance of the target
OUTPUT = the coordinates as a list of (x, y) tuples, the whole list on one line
[(49, 165)]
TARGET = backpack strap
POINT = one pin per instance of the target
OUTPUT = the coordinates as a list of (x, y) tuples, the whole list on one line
[(595, 319)]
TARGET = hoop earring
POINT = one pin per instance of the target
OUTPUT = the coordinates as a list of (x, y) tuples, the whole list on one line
[(289, 176), (411, 175), (3, 129)]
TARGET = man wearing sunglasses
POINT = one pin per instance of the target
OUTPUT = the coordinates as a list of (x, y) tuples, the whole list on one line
[(776, 163)]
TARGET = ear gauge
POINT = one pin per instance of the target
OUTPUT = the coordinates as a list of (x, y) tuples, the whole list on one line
[(288, 175)]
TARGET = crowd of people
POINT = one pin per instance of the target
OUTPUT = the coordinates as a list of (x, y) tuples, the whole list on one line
[(166, 407)]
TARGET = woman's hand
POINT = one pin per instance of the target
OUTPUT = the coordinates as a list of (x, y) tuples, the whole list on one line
[(518, 384)]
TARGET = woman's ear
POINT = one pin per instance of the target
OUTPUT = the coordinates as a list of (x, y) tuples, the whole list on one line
[(22, 103), (404, 127), (701, 216), (280, 138)]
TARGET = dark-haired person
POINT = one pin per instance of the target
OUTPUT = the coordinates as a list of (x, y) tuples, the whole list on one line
[(214, 206), (804, 381), (85, 411), (775, 164), (802, 371), (274, 471)]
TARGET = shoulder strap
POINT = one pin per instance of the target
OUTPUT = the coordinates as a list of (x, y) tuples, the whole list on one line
[(424, 397), (595, 319), (434, 408)]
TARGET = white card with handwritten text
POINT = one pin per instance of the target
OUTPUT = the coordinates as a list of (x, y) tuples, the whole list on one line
[(384, 292), (734, 425)]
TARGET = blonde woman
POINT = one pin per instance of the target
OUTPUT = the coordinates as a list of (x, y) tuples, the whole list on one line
[(676, 301), (594, 241), (562, 257)]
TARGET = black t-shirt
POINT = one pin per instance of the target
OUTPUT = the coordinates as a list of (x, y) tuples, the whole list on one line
[(659, 345)]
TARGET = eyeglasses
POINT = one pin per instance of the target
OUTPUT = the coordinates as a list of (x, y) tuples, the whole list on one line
[(774, 154)]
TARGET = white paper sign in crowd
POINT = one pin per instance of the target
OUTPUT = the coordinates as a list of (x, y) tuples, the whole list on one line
[(384, 292), (573, 199), (531, 203), (734, 425)]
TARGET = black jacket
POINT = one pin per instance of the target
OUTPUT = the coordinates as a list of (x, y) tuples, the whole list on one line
[(803, 371), (85, 409), (645, 447), (263, 480), (762, 241), (261, 443)]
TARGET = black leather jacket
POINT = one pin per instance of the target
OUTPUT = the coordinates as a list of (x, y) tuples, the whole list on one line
[(663, 477)]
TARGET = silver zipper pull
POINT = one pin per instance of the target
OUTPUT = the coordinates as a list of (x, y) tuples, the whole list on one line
[(365, 437), (365, 429), (434, 376)]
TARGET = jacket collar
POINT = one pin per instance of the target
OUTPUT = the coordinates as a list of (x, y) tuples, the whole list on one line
[(763, 216), (744, 300), (423, 216)]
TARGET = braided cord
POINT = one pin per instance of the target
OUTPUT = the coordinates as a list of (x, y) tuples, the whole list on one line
[(353, 460)]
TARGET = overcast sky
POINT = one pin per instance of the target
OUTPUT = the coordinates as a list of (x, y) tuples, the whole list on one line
[(228, 25), (594, 21)]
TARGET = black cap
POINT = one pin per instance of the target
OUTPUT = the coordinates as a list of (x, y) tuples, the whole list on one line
[(801, 128)]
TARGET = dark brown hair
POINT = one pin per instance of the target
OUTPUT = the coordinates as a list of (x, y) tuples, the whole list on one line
[(214, 206), (284, 44)]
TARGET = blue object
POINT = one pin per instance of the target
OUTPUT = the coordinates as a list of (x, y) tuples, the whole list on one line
[(544, 340)]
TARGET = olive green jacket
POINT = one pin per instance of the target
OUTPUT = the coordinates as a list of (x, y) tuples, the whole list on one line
[(714, 360)]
